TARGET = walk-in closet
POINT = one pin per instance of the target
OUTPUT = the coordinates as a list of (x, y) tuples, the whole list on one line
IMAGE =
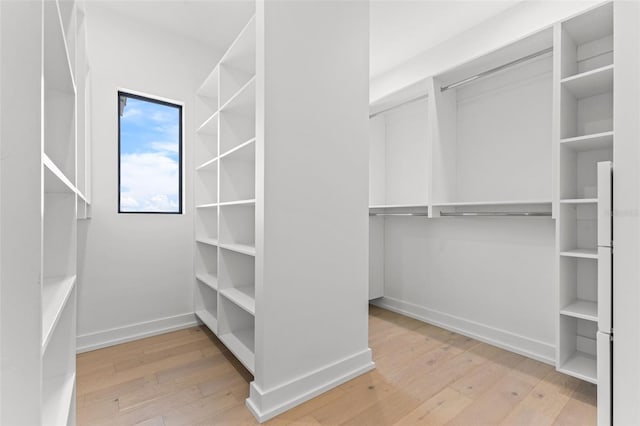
[(343, 212)]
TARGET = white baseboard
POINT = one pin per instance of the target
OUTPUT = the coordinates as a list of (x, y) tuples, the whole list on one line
[(266, 404), (101, 339), (519, 344)]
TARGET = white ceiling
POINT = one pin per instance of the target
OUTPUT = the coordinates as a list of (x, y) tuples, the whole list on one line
[(402, 29), (214, 22)]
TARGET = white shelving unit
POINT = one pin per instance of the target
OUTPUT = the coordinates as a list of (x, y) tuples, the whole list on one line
[(584, 136), (486, 152), (225, 195)]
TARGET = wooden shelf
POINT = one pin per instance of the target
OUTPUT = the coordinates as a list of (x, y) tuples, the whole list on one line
[(581, 253), (249, 250), (208, 319), (592, 142), (581, 365), (55, 181), (582, 309), (590, 83), (579, 201), (55, 294), (243, 296), (209, 280), (241, 344), (250, 202), (57, 405), (209, 241)]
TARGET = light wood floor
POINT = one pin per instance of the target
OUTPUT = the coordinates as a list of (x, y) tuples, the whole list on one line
[(424, 375)]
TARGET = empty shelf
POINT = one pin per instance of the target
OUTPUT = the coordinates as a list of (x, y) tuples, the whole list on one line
[(590, 83), (582, 253), (55, 293), (240, 343), (249, 250), (208, 165), (398, 206), (579, 201), (57, 404), (208, 279), (243, 296), (494, 203), (210, 126), (239, 203), (209, 88), (55, 180), (208, 319), (207, 206), (241, 154), (581, 365), (582, 309), (210, 241), (591, 142)]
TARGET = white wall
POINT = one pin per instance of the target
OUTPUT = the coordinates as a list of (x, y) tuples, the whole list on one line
[(524, 19), (311, 285), (136, 271)]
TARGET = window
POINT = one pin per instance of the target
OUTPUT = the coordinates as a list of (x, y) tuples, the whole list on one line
[(149, 155)]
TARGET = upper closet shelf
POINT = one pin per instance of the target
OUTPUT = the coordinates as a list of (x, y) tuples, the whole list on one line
[(210, 126), (58, 73), (495, 203), (596, 141), (243, 100), (55, 181), (55, 293), (398, 206), (209, 88), (590, 83)]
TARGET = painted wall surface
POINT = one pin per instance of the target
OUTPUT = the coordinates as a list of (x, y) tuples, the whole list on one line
[(515, 23), (135, 270), (311, 289)]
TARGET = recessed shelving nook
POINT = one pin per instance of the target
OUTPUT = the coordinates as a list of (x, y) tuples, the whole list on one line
[(225, 192), (584, 138), (492, 151)]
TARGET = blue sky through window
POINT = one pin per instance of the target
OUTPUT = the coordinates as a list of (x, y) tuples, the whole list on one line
[(149, 157)]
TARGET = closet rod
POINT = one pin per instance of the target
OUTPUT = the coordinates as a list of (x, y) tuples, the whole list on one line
[(409, 101), (398, 214), (495, 213), (496, 69)]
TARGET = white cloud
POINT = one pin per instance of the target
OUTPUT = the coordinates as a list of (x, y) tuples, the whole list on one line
[(150, 181), (164, 146), (131, 113)]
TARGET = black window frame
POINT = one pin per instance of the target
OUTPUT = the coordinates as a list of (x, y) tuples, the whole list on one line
[(180, 151)]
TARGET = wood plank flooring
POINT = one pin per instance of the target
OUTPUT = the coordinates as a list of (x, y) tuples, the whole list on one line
[(424, 376)]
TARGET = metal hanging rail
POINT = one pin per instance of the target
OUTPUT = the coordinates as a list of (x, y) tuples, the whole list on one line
[(469, 214), (496, 69), (409, 101), (398, 214)]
